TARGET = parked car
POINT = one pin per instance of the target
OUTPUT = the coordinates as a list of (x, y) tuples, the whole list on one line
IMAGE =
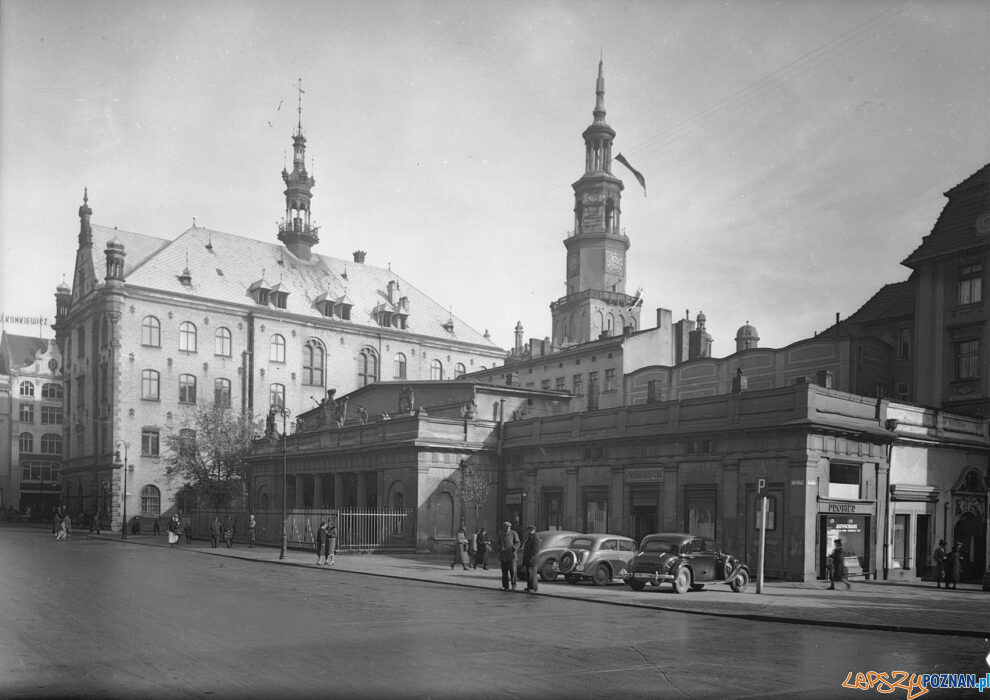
[(552, 545), (686, 562), (600, 557)]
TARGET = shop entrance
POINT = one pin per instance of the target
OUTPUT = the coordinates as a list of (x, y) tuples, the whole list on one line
[(854, 531), (644, 511)]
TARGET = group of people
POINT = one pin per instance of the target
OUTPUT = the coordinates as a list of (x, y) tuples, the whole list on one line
[(948, 565), (326, 543), (506, 546), (61, 524)]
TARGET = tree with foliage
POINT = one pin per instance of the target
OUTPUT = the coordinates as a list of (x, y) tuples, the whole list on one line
[(474, 485), (208, 455)]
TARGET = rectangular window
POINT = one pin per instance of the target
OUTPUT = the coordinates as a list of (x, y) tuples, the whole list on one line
[(560, 384), (149, 443), (610, 379), (221, 393), (967, 354), (970, 284), (552, 510), (699, 512), (51, 415), (844, 481), (903, 391), (545, 385), (187, 388), (577, 388), (51, 391), (904, 343), (900, 554), (149, 385), (593, 387), (596, 512), (26, 414)]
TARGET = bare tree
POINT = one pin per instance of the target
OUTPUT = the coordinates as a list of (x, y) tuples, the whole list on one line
[(208, 455), (474, 485)]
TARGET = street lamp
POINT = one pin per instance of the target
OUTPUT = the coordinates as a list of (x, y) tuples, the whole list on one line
[(277, 410), (123, 466)]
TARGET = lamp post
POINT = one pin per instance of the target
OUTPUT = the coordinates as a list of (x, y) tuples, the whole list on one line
[(277, 410), (123, 466)]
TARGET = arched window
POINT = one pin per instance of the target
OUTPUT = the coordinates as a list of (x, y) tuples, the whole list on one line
[(459, 370), (436, 370), (276, 349), (312, 369), (151, 501), (187, 337), (222, 344), (51, 444), (149, 385), (221, 392), (367, 367), (25, 443), (26, 389), (187, 388), (151, 332), (399, 366)]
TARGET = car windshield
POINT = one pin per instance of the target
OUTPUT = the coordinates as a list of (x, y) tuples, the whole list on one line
[(561, 541), (660, 547), (581, 543)]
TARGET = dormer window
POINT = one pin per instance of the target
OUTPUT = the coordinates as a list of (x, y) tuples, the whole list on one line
[(334, 308), (279, 299), (260, 291), (262, 297)]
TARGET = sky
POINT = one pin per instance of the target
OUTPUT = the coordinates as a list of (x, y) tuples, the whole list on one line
[(794, 151)]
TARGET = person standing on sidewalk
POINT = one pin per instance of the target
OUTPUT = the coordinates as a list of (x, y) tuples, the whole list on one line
[(460, 550), (530, 549), (252, 530), (331, 549), (939, 557), (507, 543), (839, 572), (157, 528), (173, 530), (215, 532), (228, 531), (321, 542), (953, 566), (481, 549)]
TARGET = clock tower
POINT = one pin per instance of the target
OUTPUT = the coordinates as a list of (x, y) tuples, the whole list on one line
[(596, 302)]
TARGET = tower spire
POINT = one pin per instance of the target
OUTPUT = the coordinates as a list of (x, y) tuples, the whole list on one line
[(296, 230), (600, 93)]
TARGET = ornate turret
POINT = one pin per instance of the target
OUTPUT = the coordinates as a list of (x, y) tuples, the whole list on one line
[(115, 261), (747, 338), (85, 232), (296, 230), (63, 300)]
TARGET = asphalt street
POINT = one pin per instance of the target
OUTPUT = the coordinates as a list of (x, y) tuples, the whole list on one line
[(95, 617)]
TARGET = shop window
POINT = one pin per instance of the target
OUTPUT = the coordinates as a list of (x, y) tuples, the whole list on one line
[(552, 510), (699, 512), (844, 481), (596, 512)]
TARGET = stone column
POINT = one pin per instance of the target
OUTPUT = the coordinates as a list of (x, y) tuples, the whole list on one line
[(670, 510), (317, 491), (616, 510), (572, 509), (299, 500), (362, 490), (338, 490), (532, 506)]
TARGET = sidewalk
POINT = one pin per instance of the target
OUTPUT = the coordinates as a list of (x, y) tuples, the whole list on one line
[(873, 605)]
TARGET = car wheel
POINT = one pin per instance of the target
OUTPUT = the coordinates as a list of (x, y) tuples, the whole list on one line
[(740, 582), (567, 562), (682, 581), (602, 575), (697, 586), (637, 585), (547, 571)]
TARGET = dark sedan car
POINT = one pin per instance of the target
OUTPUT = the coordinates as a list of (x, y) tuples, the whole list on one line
[(552, 544), (686, 562)]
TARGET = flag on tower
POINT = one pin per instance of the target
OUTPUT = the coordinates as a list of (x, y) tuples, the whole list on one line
[(638, 175), (637, 300)]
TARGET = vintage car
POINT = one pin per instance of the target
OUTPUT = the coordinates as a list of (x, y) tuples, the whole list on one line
[(552, 544), (599, 557), (686, 562)]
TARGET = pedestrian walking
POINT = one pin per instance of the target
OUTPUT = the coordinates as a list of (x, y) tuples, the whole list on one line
[(331, 549), (506, 544), (460, 550), (252, 530), (173, 530), (530, 549), (61, 531), (187, 530), (67, 524), (939, 557), (953, 566), (56, 522), (157, 529), (215, 531), (481, 549), (838, 567), (94, 526), (228, 531)]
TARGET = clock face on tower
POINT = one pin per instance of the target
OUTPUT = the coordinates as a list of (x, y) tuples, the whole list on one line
[(613, 262)]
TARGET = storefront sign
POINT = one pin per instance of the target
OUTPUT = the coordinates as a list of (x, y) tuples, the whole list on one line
[(846, 508), (511, 498), (644, 475)]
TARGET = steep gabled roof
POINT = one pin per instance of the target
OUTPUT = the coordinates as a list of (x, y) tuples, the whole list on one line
[(955, 229), (223, 267), (892, 302)]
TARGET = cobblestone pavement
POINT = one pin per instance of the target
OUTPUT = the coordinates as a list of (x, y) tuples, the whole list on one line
[(868, 605)]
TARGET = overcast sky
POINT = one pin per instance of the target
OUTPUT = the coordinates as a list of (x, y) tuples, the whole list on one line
[(794, 152)]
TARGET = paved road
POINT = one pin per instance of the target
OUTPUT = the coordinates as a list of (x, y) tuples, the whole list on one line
[(99, 618)]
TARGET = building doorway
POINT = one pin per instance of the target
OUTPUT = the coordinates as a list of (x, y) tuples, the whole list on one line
[(644, 511), (970, 530)]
